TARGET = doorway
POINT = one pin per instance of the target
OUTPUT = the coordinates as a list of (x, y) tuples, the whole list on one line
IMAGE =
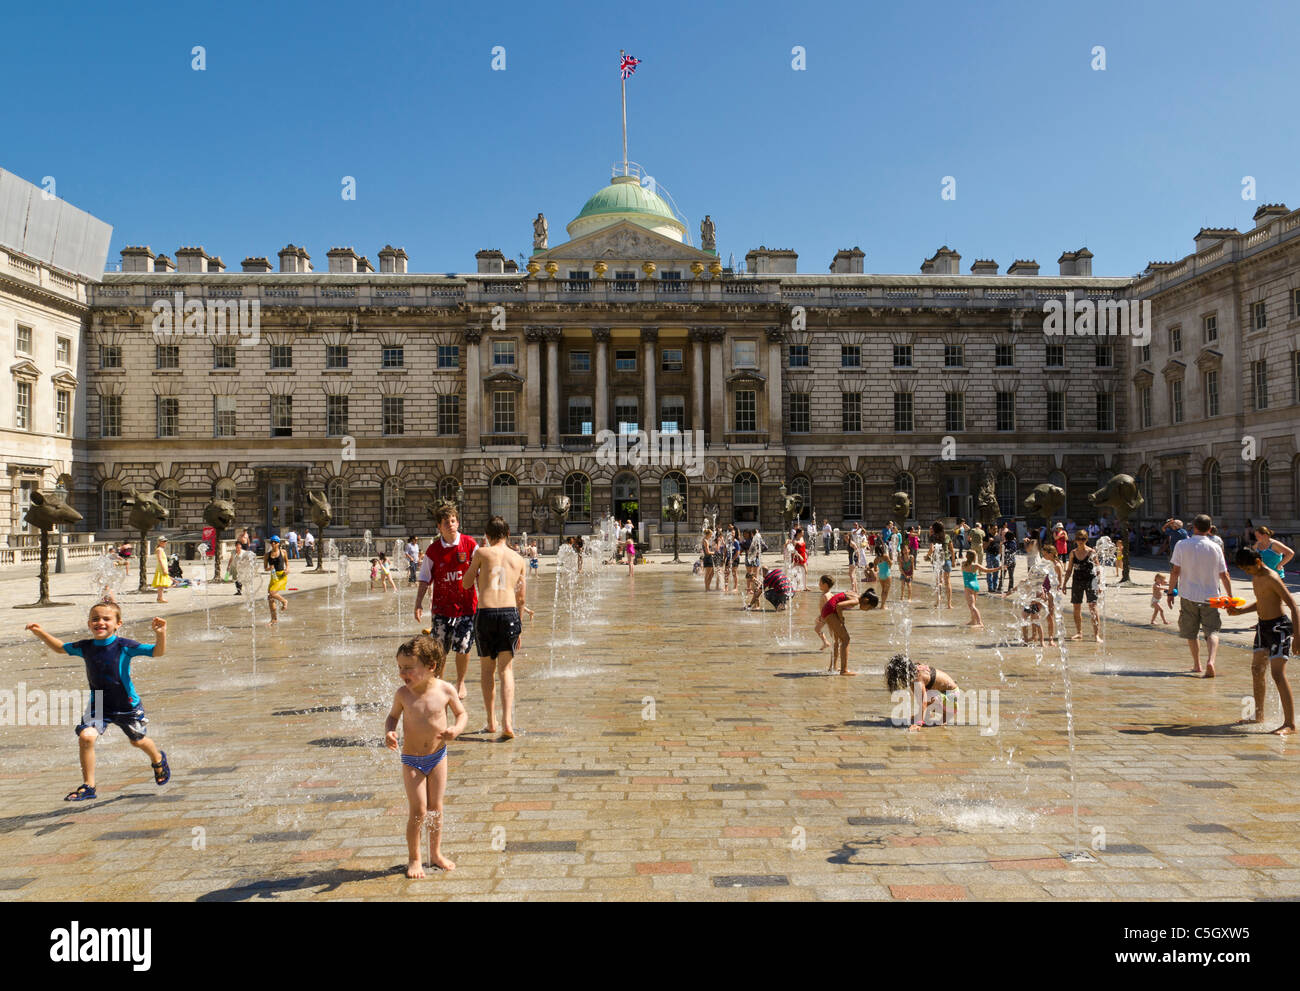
[(627, 498), (957, 498), (279, 507)]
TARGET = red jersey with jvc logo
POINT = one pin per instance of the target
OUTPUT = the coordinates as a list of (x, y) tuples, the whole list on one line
[(447, 565)]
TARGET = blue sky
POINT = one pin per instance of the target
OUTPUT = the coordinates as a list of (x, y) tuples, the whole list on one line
[(451, 157)]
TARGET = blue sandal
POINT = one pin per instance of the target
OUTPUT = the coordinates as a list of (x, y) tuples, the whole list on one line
[(82, 794), (162, 772)]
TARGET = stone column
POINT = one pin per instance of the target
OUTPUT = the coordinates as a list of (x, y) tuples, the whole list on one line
[(553, 387), (698, 336), (533, 384), (774, 337), (717, 387), (601, 336), (650, 418), (473, 386)]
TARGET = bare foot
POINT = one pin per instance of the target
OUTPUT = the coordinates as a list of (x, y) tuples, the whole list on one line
[(460, 691), (415, 869), (1249, 722), (823, 646), (850, 674), (1076, 636), (508, 733), (438, 860), (1197, 668), (1209, 671), (1284, 730), (488, 729), (1097, 638), (1166, 622)]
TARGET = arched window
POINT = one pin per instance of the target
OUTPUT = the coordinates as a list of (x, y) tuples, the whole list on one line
[(110, 505), (799, 485), (1058, 478), (505, 500), (63, 486), (1262, 486), (337, 494), (673, 483), (1213, 489), (394, 502), (1176, 489), (577, 487), (447, 488), (744, 497), (852, 497), (1144, 486), (905, 482), (224, 489), (1007, 494)]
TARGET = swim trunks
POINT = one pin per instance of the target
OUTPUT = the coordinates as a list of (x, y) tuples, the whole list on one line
[(134, 723), (1274, 635), (455, 633), (498, 631), (424, 763)]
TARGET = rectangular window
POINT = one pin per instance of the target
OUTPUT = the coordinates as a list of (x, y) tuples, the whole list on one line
[(63, 352), (336, 356), (579, 361), (746, 411), (1105, 355), (110, 416), (1055, 410), (282, 416), (580, 417), (336, 416), (625, 359), (24, 339), (1006, 410), (798, 355), (1295, 376), (1105, 411), (503, 353), (903, 420), (1210, 324), (672, 414), (281, 355), (954, 411), (169, 415), (625, 281), (1176, 400), (448, 416), (1005, 356), (1295, 303), (1175, 340), (744, 354), (1211, 393), (394, 412), (1055, 356), (448, 355), (1144, 353), (224, 416), (850, 356), (800, 413), (670, 359), (110, 356), (626, 414), (168, 356), (503, 410), (850, 412), (1259, 376), (224, 355), (953, 355), (1258, 315), (62, 407), (1144, 400), (902, 356), (23, 408), (394, 357)]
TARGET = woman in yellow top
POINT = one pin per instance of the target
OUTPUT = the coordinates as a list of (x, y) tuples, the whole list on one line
[(161, 580), (277, 562)]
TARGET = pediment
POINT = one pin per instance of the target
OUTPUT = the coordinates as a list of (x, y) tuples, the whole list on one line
[(1209, 359), (504, 380), (746, 377), (65, 380), (24, 370), (1174, 369), (1143, 378), (624, 240)]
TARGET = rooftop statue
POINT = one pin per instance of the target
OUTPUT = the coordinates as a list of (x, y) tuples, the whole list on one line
[(708, 234), (540, 232)]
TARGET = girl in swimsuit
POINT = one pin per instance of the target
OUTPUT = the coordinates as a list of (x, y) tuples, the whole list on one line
[(941, 544), (833, 614), (828, 603), (930, 690), (1275, 554), (706, 556), (970, 577), (883, 572), (278, 565), (906, 565)]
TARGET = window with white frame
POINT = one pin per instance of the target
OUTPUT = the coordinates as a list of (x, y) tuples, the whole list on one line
[(746, 411), (798, 355), (225, 416), (850, 356), (62, 411), (23, 406), (625, 359), (168, 410), (904, 419), (851, 412), (23, 339), (626, 414), (448, 416), (581, 420), (671, 359), (282, 416), (394, 416), (744, 354), (503, 353), (336, 416), (110, 416), (63, 351), (800, 413), (672, 414), (503, 412), (336, 356), (448, 356)]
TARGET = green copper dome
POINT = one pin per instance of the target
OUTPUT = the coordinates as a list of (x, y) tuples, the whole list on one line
[(625, 199)]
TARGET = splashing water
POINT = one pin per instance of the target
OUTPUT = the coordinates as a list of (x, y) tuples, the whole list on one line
[(249, 575)]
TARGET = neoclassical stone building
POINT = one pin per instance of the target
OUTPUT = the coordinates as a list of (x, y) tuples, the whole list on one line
[(390, 389)]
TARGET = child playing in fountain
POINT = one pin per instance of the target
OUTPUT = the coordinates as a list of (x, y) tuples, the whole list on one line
[(832, 615), (113, 698), (927, 688), (775, 587), (1031, 623), (828, 603), (422, 703), (906, 568), (498, 573), (374, 572), (1272, 635), (970, 575), (386, 573), (1158, 588)]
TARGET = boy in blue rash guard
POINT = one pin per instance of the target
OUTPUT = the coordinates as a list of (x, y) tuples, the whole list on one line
[(113, 696)]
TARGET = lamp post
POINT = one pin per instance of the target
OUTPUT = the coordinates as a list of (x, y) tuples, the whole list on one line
[(785, 516), (460, 502)]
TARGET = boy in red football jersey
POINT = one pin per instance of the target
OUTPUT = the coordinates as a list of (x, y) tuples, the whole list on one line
[(453, 606)]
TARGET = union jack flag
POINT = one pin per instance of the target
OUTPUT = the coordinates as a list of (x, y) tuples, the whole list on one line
[(628, 65)]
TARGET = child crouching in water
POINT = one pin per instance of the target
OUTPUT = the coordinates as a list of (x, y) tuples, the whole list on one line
[(1158, 588), (422, 703), (832, 615), (926, 686)]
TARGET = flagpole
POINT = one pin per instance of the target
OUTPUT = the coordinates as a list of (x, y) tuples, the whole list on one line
[(623, 86)]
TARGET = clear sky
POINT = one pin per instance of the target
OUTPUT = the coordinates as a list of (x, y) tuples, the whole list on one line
[(450, 156)]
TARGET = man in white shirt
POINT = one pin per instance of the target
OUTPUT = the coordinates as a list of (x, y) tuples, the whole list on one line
[(827, 536), (308, 542), (1197, 570), (293, 543)]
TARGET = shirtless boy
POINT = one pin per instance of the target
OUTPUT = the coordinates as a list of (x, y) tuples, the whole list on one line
[(1272, 635), (498, 573)]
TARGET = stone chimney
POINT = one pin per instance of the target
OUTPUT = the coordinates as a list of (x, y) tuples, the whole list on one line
[(945, 261), (1268, 212), (136, 258), (984, 266), (771, 261), (490, 262), (847, 262), (392, 260), (1022, 266), (191, 260), (294, 259), (216, 265), (1207, 237), (343, 261), (262, 266), (363, 265), (163, 264), (1076, 263), (511, 267)]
